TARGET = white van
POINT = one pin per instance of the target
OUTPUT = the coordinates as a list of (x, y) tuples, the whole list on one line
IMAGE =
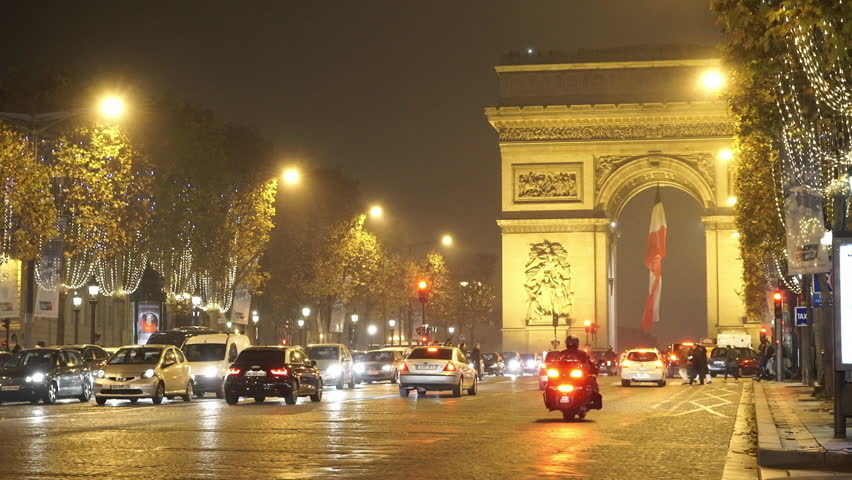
[(210, 355)]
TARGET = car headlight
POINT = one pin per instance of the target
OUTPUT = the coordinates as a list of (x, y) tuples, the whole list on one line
[(211, 371), (530, 363), (333, 371), (359, 368), (386, 368), (100, 374), (148, 373), (513, 364), (37, 377)]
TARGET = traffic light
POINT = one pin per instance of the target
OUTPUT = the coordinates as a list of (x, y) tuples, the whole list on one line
[(283, 341), (423, 291), (588, 326), (424, 340), (595, 328), (778, 297)]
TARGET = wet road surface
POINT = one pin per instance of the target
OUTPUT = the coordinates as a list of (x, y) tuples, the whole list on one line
[(502, 433)]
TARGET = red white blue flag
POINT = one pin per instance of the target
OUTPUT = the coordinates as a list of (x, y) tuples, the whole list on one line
[(654, 261)]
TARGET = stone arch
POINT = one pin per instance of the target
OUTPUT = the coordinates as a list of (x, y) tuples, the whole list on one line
[(625, 177)]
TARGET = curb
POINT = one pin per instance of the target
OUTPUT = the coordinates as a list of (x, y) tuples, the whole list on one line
[(771, 453)]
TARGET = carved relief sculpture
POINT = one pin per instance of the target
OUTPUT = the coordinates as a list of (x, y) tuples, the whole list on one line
[(548, 283), (547, 182)]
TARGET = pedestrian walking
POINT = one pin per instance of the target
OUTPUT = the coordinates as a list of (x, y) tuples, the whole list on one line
[(732, 363), (683, 364), (699, 361), (476, 358)]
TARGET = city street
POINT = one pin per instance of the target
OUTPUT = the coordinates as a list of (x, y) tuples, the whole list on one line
[(503, 432)]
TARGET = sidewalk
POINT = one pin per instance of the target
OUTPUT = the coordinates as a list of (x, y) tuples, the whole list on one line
[(795, 432)]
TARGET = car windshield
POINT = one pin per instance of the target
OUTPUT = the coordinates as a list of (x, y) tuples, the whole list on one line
[(168, 338), (642, 356), (261, 357), (431, 353), (33, 358), (509, 356), (489, 357), (204, 352), (719, 352), (136, 356), (359, 357), (322, 353), (378, 357)]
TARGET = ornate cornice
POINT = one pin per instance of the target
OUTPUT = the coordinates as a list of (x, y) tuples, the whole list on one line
[(551, 225), (611, 122)]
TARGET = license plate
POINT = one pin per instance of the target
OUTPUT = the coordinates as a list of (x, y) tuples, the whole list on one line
[(427, 367), (256, 373), (10, 388), (373, 372), (565, 399), (122, 386), (642, 375)]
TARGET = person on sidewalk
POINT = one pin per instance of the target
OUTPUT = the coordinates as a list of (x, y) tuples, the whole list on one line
[(732, 363), (683, 364), (699, 360)]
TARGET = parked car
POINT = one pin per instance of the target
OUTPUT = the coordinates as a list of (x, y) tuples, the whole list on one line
[(437, 368), (643, 365), (379, 365), (178, 336), (144, 371), (747, 360), (261, 372), (492, 364), (210, 355), (334, 362), (513, 363), (45, 374), (94, 356)]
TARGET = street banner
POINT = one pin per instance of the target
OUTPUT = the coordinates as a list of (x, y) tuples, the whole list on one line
[(10, 302), (654, 256), (46, 303), (240, 313), (805, 229), (147, 321)]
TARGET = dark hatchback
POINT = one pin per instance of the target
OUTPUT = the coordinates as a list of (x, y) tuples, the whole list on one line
[(178, 336), (261, 372), (492, 364), (94, 356), (747, 359), (45, 374)]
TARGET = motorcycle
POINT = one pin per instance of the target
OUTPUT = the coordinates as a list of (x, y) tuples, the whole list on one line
[(569, 390)]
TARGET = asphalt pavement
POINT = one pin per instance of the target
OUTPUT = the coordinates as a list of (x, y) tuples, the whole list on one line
[(504, 432)]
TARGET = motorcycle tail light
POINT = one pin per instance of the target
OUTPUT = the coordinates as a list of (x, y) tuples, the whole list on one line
[(565, 388), (576, 373), (552, 373)]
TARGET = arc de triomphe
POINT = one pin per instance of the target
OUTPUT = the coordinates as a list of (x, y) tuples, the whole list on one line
[(578, 141)]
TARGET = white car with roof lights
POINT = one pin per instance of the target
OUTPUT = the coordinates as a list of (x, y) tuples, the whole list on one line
[(643, 365)]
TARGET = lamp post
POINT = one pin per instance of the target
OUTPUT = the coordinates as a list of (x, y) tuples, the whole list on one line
[(452, 330), (255, 319), (392, 324), (196, 308), (301, 324), (587, 324), (78, 302), (354, 329), (371, 330), (94, 290), (229, 324)]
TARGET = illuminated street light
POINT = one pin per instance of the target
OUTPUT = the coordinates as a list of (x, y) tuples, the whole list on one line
[(376, 211), (112, 107), (371, 330), (78, 302), (306, 312), (452, 330), (292, 176), (732, 201), (726, 155), (447, 240), (712, 80)]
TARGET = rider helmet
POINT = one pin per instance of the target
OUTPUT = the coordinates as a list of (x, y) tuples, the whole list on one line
[(572, 342)]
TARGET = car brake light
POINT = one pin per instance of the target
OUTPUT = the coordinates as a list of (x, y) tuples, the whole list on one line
[(403, 367), (659, 363), (552, 372), (576, 373), (234, 371), (431, 349), (625, 363), (450, 367), (672, 357), (565, 388), (279, 372)]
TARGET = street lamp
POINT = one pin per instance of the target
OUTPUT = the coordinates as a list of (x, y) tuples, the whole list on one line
[(447, 240), (112, 106), (452, 331), (255, 318), (301, 324), (196, 308), (292, 176), (78, 302), (371, 330), (94, 290), (353, 331), (306, 312), (376, 211), (587, 324), (392, 324), (712, 80)]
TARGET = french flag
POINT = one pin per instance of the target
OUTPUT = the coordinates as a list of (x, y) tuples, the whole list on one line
[(654, 261)]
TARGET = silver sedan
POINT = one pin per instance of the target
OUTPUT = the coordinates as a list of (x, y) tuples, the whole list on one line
[(437, 368)]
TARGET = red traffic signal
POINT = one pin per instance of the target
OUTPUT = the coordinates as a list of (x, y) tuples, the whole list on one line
[(763, 330), (777, 296), (424, 340), (283, 341), (423, 291)]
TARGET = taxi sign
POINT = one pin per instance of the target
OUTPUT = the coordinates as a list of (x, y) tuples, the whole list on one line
[(801, 316)]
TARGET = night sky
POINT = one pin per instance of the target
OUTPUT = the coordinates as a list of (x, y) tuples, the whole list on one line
[(391, 92)]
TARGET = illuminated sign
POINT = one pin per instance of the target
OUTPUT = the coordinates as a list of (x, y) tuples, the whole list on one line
[(843, 312)]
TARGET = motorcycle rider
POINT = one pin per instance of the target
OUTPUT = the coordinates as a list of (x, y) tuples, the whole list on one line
[(572, 353)]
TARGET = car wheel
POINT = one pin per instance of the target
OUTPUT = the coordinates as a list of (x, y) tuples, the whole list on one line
[(50, 394), (220, 392), (625, 383), (201, 394), (352, 382), (403, 392), (316, 397), (87, 392), (100, 400), (567, 416), (457, 390), (472, 390), (395, 378), (293, 396), (159, 393), (259, 399), (340, 383), (187, 397), (231, 399), (35, 400), (662, 383)]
